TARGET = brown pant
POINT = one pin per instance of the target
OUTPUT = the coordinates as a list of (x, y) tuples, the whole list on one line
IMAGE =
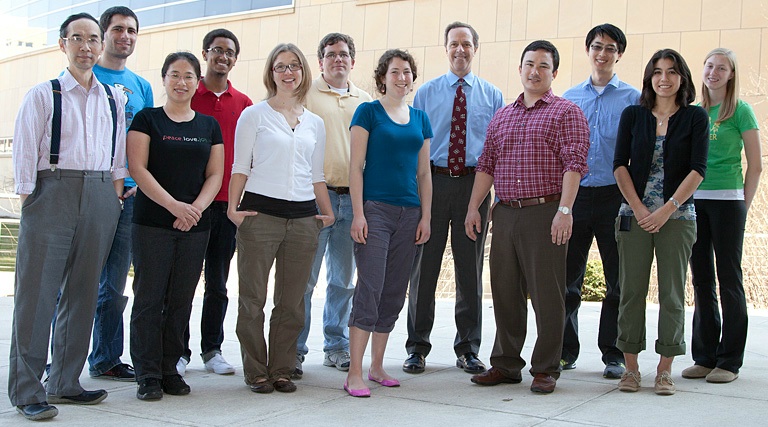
[(289, 243), (523, 262)]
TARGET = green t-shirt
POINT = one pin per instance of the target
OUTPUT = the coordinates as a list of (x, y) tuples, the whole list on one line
[(724, 179)]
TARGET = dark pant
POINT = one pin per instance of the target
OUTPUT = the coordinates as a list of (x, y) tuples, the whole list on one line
[(594, 216), (218, 255), (167, 265), (450, 197), (383, 266), (720, 236), (524, 262)]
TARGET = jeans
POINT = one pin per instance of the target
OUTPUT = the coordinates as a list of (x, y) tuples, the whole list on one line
[(336, 244), (218, 255), (108, 322)]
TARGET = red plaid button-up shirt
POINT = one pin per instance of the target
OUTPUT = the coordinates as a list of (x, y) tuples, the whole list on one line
[(527, 150)]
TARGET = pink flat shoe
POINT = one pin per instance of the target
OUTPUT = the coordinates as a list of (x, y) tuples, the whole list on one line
[(385, 383), (361, 392)]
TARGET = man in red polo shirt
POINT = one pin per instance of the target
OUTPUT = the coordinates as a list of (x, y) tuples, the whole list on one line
[(216, 97)]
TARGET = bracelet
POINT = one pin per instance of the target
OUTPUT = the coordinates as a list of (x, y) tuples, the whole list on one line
[(675, 202)]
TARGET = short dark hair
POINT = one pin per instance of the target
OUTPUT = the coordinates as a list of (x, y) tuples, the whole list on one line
[(333, 38), (457, 24), (609, 30), (185, 56), (72, 18), (687, 92), (106, 16), (221, 32), (383, 66), (543, 45)]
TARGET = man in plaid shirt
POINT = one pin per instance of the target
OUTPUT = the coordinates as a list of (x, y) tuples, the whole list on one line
[(534, 156)]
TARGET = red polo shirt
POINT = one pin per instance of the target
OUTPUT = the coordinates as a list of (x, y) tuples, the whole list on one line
[(226, 110)]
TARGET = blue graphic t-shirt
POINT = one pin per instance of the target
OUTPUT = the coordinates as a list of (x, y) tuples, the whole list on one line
[(137, 90)]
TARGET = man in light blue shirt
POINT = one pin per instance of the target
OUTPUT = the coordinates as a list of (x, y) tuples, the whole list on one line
[(602, 98), (451, 191)]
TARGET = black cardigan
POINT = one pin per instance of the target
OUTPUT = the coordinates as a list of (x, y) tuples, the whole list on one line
[(685, 146)]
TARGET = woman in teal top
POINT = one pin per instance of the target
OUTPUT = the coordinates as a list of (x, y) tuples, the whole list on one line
[(722, 202), (390, 185)]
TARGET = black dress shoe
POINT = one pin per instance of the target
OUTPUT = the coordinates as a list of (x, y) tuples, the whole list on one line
[(414, 364), (175, 385), (470, 363), (149, 389), (38, 411), (120, 372), (84, 398)]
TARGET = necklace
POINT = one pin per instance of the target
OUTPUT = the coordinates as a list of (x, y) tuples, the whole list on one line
[(662, 119)]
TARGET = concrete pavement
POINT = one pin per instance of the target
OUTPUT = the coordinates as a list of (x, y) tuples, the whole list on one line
[(443, 395)]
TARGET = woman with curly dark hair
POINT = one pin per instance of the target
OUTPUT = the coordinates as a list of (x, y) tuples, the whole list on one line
[(391, 189)]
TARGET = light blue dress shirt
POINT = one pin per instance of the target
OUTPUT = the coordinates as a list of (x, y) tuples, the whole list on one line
[(603, 112), (436, 98)]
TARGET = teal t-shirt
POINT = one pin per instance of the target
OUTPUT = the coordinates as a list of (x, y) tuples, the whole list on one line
[(137, 91), (724, 179), (392, 156)]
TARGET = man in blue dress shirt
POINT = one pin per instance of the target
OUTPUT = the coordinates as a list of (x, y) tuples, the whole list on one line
[(602, 98), (452, 188)]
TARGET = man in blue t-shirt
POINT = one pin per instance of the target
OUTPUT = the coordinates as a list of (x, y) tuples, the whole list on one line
[(121, 30), (602, 98)]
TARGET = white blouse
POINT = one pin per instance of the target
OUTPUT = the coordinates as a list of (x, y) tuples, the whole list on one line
[(280, 162)]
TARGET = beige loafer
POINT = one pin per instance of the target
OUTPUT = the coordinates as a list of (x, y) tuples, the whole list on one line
[(721, 376), (696, 371)]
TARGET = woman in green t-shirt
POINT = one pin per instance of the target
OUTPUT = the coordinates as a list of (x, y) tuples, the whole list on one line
[(722, 202)]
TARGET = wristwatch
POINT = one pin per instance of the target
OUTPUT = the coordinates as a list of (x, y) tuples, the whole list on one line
[(565, 210)]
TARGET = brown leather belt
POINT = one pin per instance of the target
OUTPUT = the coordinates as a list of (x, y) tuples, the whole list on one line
[(533, 201), (468, 170), (339, 190)]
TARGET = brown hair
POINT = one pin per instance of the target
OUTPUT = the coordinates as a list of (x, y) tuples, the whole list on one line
[(306, 73)]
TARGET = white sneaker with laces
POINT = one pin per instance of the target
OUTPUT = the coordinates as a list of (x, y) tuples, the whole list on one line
[(181, 366), (218, 365)]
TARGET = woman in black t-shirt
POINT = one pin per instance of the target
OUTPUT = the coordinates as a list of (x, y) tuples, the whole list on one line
[(176, 157)]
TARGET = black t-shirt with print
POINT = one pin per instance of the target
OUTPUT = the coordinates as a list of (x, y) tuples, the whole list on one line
[(178, 157)]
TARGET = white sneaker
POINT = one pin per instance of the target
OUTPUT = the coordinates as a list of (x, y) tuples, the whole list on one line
[(219, 366), (181, 366)]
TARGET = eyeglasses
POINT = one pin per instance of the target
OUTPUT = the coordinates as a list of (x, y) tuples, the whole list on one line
[(332, 55), (600, 48), (79, 41), (283, 68), (229, 53), (188, 78)]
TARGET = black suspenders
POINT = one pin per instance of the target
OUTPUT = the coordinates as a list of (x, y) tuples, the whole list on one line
[(56, 123)]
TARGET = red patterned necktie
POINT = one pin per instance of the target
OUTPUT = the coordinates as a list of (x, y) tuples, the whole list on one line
[(457, 143)]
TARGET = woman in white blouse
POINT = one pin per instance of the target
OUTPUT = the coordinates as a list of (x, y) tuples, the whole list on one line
[(279, 150)]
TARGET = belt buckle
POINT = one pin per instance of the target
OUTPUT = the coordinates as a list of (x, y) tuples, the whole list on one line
[(516, 203), (450, 173)]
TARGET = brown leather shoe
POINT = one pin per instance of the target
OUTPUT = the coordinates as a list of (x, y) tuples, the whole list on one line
[(543, 383), (494, 376)]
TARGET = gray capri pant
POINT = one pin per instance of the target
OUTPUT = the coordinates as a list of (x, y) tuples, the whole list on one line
[(384, 265)]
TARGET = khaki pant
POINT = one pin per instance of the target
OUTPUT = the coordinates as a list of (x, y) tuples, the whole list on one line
[(672, 246), (289, 243)]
